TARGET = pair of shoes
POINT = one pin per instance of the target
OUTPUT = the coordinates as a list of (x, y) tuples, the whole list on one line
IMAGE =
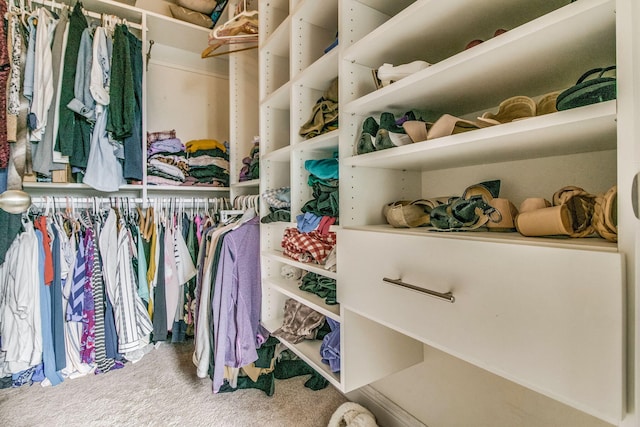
[(388, 73), (376, 137), (476, 42), (569, 214), (446, 125), (592, 87), (520, 107), (406, 214), (472, 211)]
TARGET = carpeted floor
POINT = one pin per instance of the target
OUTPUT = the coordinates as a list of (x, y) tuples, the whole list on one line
[(163, 390)]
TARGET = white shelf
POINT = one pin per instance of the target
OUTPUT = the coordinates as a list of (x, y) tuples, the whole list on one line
[(279, 155), (279, 98), (187, 189), (387, 7), (314, 268), (309, 351), (319, 74), (179, 34), (72, 186), (251, 183), (589, 243), (278, 42), (291, 289), (579, 130), (324, 142), (571, 40), (320, 13)]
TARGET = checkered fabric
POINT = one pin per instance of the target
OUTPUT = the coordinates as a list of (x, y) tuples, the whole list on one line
[(308, 247), (278, 198), (157, 136)]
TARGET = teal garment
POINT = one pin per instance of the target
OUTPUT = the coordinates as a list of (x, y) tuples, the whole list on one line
[(323, 168), (122, 101), (143, 285), (67, 118)]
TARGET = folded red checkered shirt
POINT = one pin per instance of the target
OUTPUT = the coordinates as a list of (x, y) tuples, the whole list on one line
[(307, 247)]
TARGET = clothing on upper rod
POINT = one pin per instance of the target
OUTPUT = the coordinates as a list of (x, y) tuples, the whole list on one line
[(52, 96)]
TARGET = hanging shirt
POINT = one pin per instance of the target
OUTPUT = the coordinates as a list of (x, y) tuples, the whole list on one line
[(237, 300), (21, 325), (104, 170), (42, 75)]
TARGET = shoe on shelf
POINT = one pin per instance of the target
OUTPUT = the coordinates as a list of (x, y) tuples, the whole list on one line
[(547, 103), (417, 130), (605, 215), (508, 213), (388, 73), (387, 139), (514, 108), (388, 122), (449, 125), (476, 42), (366, 142)]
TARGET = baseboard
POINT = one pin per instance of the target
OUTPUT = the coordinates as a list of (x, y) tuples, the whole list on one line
[(388, 414)]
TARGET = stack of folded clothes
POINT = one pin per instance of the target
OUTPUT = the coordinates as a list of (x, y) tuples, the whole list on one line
[(208, 162), (322, 211), (251, 164), (166, 158)]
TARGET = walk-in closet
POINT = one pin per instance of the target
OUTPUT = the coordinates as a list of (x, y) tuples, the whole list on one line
[(427, 208)]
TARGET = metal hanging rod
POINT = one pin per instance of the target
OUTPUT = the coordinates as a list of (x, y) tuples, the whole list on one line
[(54, 4)]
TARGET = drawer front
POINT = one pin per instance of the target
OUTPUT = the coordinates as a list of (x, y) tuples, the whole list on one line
[(550, 319)]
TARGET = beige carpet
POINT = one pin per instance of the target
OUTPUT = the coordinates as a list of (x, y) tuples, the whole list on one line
[(163, 390)]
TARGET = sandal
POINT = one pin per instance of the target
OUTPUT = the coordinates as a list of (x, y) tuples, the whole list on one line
[(406, 214), (514, 108), (469, 212), (581, 205), (589, 90), (605, 215), (449, 125), (508, 213)]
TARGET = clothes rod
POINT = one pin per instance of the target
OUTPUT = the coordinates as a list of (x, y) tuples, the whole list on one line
[(54, 4)]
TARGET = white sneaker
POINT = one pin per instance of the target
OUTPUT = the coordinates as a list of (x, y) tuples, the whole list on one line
[(387, 73)]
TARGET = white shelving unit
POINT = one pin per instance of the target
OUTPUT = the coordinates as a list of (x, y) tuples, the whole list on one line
[(548, 46), (295, 73)]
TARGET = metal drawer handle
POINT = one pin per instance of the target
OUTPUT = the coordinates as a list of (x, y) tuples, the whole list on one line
[(446, 296)]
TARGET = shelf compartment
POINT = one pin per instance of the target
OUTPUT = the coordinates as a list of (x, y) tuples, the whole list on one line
[(272, 14), (579, 130), (279, 98), (314, 268), (309, 351), (320, 73), (326, 142), (544, 55), (438, 30), (314, 26), (291, 289), (278, 155)]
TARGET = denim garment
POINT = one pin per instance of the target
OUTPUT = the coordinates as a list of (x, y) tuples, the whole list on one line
[(330, 347)]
